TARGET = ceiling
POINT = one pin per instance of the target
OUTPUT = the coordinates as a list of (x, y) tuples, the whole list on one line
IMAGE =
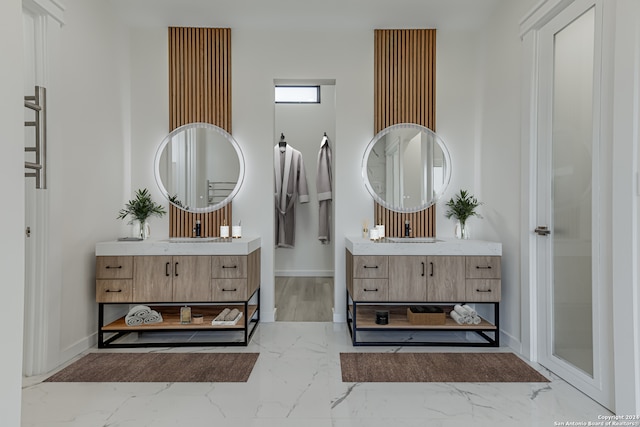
[(307, 14)]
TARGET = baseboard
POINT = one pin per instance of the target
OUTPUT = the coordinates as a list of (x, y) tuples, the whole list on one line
[(268, 316), (507, 340), (77, 348), (339, 317), (303, 273)]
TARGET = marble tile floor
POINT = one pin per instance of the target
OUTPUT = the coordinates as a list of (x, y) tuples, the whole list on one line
[(297, 382)]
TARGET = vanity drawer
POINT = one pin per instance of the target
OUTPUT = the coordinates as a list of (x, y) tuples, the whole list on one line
[(371, 266), (114, 290), (114, 267), (229, 266), (229, 289), (483, 290), (370, 290), (483, 267)]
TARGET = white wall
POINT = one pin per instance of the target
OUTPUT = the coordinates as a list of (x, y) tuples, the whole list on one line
[(626, 203), (498, 153), (12, 224)]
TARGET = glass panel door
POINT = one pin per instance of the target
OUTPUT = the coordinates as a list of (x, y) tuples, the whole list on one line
[(572, 158)]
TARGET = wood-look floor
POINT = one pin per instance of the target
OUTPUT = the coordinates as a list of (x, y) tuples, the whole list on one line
[(304, 299)]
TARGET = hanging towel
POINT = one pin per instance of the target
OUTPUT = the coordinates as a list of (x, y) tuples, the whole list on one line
[(324, 187)]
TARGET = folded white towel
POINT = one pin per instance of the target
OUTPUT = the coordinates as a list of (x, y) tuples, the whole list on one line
[(153, 317)]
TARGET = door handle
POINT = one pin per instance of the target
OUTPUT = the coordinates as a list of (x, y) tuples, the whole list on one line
[(542, 230)]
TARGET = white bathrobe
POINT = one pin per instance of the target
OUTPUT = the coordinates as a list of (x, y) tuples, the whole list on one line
[(324, 187), (291, 185)]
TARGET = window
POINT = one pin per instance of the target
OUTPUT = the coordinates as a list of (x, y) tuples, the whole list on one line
[(297, 94)]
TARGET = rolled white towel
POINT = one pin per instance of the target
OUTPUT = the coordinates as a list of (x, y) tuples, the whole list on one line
[(153, 317), (470, 310), (475, 320), (455, 316), (463, 313), (141, 311), (232, 315), (223, 314), (132, 320)]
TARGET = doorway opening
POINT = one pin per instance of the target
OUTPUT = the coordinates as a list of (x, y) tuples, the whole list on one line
[(304, 254)]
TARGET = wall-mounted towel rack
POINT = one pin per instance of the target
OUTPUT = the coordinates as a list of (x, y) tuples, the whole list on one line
[(37, 103)]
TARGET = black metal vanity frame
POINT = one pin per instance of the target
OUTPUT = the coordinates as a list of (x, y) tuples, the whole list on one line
[(352, 325), (250, 325)]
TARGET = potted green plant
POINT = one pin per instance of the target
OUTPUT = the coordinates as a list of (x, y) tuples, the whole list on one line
[(462, 207), (141, 208)]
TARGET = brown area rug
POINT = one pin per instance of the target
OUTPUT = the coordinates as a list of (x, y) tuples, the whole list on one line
[(436, 367), (159, 367)]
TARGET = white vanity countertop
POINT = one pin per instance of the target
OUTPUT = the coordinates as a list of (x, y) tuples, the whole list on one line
[(180, 246), (362, 246)]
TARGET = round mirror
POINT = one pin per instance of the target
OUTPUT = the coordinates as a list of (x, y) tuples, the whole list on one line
[(199, 167), (406, 167)]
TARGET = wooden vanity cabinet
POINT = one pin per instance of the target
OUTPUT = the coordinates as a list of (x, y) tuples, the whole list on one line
[(207, 283), (396, 282), (171, 278)]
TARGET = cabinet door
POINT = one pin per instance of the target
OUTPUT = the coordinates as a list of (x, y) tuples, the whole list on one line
[(152, 279), (446, 278), (407, 278), (191, 278)]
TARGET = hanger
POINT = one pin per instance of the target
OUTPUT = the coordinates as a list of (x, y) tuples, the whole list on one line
[(325, 138), (283, 142)]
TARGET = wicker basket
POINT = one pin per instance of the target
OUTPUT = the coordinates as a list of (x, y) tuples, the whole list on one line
[(426, 315)]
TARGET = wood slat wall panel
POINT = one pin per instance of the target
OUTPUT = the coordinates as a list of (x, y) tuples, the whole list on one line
[(404, 92), (199, 91)]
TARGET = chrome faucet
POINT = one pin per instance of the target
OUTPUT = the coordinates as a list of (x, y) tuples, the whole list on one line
[(407, 228)]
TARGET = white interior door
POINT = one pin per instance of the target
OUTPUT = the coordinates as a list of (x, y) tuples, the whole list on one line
[(571, 342)]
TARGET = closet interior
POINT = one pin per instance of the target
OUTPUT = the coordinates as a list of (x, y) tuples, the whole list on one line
[(304, 146)]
